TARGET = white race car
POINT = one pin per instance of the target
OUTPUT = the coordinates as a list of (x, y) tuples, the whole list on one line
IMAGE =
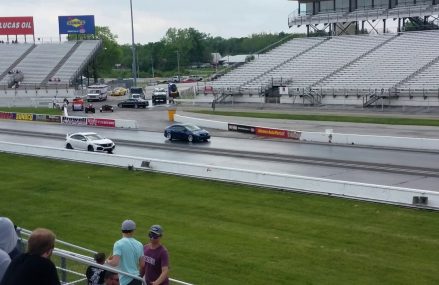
[(90, 142)]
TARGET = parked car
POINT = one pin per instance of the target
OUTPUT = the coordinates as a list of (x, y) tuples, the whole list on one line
[(89, 141), (90, 109), (133, 103), (119, 91), (186, 132), (106, 108), (188, 80), (78, 104)]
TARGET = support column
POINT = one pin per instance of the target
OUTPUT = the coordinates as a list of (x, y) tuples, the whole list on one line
[(307, 30), (399, 25), (384, 26)]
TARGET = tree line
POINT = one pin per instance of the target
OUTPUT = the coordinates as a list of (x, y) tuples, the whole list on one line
[(185, 48)]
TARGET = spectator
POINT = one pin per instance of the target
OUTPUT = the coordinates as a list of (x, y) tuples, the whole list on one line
[(95, 276), (156, 258), (127, 254), (8, 238), (111, 278), (34, 267), (5, 260)]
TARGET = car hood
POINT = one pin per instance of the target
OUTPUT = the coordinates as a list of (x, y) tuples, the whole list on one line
[(200, 132), (102, 141)]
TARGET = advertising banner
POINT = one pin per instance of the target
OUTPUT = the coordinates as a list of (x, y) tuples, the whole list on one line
[(77, 121), (53, 118), (76, 24), (24, 116), (16, 26), (267, 132), (242, 129), (7, 115), (101, 122)]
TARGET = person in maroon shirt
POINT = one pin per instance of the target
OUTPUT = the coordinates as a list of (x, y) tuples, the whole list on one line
[(156, 258)]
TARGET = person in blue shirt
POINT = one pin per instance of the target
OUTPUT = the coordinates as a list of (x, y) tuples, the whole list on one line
[(127, 255)]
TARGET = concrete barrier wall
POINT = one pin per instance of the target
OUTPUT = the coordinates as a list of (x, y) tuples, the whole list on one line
[(362, 191), (351, 139), (126, 124), (381, 141), (201, 122)]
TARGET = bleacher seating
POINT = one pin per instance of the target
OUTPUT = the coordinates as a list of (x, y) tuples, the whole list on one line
[(321, 61), (265, 62), (43, 58), (74, 63), (42, 62), (9, 53), (388, 65), (347, 65)]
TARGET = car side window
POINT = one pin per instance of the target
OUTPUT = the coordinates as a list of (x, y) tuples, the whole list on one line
[(77, 137)]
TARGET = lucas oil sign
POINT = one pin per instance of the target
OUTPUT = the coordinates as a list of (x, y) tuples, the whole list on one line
[(16, 26)]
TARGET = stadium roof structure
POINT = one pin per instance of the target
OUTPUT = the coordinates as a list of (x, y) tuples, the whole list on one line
[(351, 16)]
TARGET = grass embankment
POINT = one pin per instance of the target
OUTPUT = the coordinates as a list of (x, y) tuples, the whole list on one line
[(47, 111), (330, 118), (221, 233)]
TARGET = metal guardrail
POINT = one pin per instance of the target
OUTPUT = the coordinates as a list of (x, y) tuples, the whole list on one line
[(76, 277)]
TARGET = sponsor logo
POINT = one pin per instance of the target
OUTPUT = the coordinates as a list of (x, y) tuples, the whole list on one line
[(76, 23), (7, 116), (74, 121), (271, 132), (242, 128), (24, 117), (101, 122), (16, 25), (53, 119)]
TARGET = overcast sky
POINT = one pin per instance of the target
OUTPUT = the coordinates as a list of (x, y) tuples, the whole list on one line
[(225, 18)]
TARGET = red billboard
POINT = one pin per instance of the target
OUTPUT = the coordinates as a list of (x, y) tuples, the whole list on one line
[(16, 26), (101, 122)]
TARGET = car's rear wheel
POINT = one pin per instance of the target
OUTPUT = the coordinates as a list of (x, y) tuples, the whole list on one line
[(69, 146), (190, 138), (90, 148), (169, 136)]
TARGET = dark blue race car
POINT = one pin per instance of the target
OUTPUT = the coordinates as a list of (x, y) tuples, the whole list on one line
[(186, 132)]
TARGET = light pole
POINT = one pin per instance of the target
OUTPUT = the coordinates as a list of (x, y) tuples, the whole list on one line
[(152, 66), (178, 62), (133, 47)]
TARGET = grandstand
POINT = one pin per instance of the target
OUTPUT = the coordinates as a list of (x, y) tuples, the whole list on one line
[(357, 70), (45, 65), (355, 61)]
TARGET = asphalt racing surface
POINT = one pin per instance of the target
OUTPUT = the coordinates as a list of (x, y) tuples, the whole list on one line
[(403, 168)]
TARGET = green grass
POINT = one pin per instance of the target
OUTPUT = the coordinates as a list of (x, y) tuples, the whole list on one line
[(222, 233), (47, 111), (330, 118)]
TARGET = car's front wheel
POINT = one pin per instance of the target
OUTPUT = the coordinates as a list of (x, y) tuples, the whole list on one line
[(90, 148), (169, 136), (190, 138), (69, 146)]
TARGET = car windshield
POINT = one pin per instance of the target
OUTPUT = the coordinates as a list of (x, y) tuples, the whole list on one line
[(93, 137), (192, 128)]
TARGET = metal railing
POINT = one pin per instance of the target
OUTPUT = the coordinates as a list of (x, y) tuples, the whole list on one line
[(71, 265)]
